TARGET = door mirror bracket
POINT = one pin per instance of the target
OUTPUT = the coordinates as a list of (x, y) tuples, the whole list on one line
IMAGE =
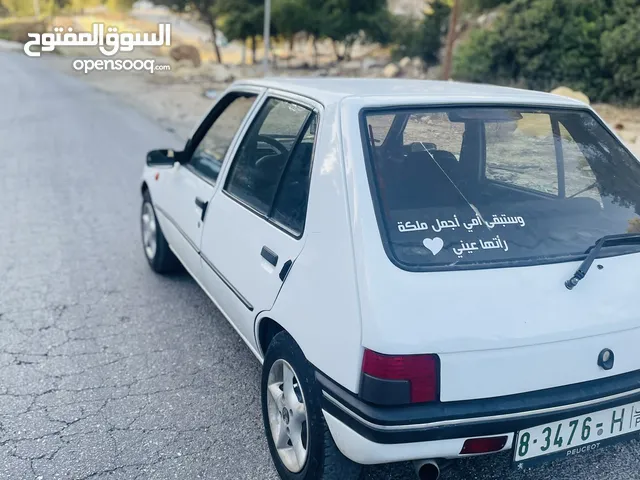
[(164, 157)]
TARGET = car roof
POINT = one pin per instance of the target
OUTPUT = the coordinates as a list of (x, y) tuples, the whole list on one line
[(333, 90)]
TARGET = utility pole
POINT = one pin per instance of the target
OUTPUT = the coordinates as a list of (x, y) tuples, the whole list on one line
[(266, 35), (451, 38)]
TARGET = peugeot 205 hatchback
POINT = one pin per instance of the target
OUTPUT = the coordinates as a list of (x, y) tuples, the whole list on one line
[(426, 270)]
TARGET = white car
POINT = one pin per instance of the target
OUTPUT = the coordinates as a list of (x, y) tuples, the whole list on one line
[(426, 270)]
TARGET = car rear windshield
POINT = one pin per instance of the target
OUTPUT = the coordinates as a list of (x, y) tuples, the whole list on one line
[(483, 186)]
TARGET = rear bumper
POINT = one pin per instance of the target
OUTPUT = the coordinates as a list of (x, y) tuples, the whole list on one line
[(449, 423)]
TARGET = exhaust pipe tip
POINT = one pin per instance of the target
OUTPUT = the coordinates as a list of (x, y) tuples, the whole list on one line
[(427, 469)]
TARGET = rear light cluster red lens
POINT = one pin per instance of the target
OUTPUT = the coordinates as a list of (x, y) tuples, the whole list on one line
[(421, 371), (483, 445)]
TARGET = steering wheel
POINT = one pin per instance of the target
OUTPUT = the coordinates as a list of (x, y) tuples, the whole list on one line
[(278, 146)]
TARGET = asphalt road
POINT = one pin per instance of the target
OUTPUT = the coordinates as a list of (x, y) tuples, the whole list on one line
[(106, 369)]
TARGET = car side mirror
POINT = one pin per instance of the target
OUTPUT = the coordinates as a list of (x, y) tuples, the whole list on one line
[(163, 157)]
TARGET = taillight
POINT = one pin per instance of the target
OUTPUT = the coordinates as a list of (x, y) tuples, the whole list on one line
[(483, 445), (419, 371)]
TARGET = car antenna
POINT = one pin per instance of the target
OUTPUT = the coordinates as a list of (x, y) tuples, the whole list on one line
[(471, 205)]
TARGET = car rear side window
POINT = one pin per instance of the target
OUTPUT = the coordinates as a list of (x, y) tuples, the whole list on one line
[(270, 173)]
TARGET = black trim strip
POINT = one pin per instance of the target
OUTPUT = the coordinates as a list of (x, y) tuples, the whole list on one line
[(244, 301), (287, 165), (177, 227), (462, 419), (557, 142)]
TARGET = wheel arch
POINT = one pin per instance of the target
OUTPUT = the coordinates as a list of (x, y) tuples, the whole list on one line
[(144, 188), (267, 328)]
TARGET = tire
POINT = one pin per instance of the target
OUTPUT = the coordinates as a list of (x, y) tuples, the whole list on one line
[(155, 247), (323, 460)]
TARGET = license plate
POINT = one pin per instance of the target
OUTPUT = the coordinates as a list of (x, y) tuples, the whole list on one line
[(575, 436)]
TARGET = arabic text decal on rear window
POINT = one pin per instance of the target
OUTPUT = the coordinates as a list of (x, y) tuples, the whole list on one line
[(486, 185)]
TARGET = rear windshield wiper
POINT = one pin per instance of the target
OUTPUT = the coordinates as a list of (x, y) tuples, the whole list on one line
[(594, 250)]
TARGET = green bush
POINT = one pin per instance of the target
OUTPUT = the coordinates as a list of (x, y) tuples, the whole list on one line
[(589, 45), (479, 5), (620, 48), (424, 38)]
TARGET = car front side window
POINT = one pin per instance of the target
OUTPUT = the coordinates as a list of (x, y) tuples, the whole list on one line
[(260, 163), (209, 154)]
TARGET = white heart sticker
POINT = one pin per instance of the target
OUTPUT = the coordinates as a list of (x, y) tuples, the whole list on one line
[(434, 245)]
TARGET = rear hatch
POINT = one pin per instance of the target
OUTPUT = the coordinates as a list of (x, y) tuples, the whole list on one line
[(484, 214), (506, 331)]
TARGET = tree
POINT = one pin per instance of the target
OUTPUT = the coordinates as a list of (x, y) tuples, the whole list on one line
[(480, 5), (620, 48), (421, 38), (206, 10), (19, 8), (241, 20), (343, 21), (291, 17), (119, 5), (451, 38), (78, 6)]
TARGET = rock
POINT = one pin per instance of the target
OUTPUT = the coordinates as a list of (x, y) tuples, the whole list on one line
[(434, 73), (634, 225), (567, 92), (417, 63), (19, 30), (351, 66), (371, 62), (186, 52), (404, 63), (486, 19), (210, 93), (619, 126), (182, 65), (219, 73), (391, 71), (374, 72), (334, 72)]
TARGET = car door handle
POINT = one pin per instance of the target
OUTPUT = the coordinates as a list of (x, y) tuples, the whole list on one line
[(203, 206), (269, 255)]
